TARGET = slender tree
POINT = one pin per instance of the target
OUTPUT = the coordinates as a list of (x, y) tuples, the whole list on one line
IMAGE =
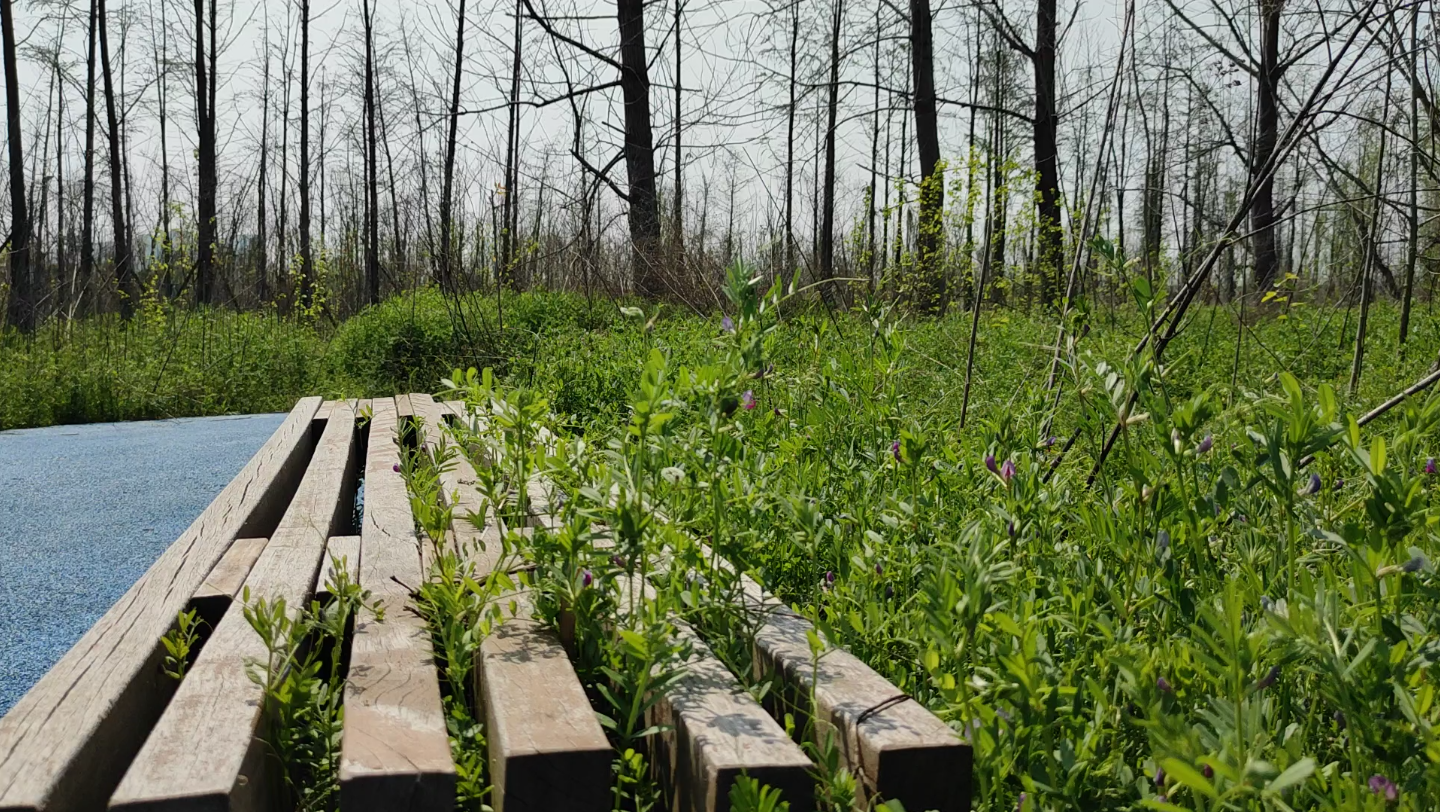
[(827, 222), (20, 310), (307, 259), (928, 289), (372, 177), (126, 280), (447, 254), (205, 148)]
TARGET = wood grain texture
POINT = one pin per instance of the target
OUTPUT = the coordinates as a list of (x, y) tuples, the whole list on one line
[(480, 544), (225, 580), (896, 747), (347, 550), (547, 750), (66, 743), (204, 753), (395, 752)]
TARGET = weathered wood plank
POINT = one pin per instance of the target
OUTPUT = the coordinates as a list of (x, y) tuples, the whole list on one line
[(547, 750), (896, 747), (66, 743), (345, 548), (204, 753), (480, 545), (225, 580), (716, 732), (395, 752)]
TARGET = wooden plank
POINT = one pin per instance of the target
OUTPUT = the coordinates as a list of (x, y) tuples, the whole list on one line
[(715, 732), (225, 580), (480, 546), (345, 548), (395, 751), (66, 743), (896, 747), (204, 753), (547, 750)]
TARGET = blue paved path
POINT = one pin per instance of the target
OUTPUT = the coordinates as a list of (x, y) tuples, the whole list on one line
[(84, 510)]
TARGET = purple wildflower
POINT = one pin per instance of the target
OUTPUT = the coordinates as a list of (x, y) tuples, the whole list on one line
[(1380, 785), (1164, 685), (1339, 718), (1267, 604), (889, 592), (1007, 471), (727, 324), (617, 562), (895, 450), (1160, 776), (1314, 487), (1020, 804), (777, 412), (1051, 441), (1207, 771), (748, 400), (879, 568), (1430, 466), (395, 467), (1162, 540), (586, 577), (990, 464), (829, 577), (1205, 444), (1339, 483), (1269, 678), (1010, 528), (1415, 564)]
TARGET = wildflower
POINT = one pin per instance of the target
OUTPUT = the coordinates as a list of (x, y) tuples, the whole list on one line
[(1269, 679), (1162, 540), (748, 400), (1163, 798), (879, 568), (895, 449), (1160, 777), (1415, 564), (395, 467), (1207, 771), (990, 464), (1205, 445), (1339, 483), (1314, 486), (1267, 604), (829, 577), (727, 324), (1010, 528), (1051, 441), (1339, 718), (1380, 785), (777, 412), (1020, 804), (1164, 685), (586, 577), (1007, 471), (889, 592), (617, 562), (1430, 466)]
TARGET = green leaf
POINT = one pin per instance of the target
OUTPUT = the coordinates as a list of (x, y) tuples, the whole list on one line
[(1294, 775), (1189, 776)]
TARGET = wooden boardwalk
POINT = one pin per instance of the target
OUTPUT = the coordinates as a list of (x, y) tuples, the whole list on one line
[(106, 728)]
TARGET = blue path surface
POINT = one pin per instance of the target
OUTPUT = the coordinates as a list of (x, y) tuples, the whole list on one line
[(85, 510)]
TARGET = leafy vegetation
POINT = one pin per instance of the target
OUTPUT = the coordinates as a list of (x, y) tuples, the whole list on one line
[(1239, 612)]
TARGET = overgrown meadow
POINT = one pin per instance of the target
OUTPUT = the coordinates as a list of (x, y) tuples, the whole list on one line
[(1239, 612)]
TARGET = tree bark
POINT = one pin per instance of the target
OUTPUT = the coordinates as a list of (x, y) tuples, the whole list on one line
[(126, 282), (1047, 166), (644, 212), (928, 287), (790, 143), (20, 309), (1267, 125), (205, 122), (832, 107), (87, 195), (511, 204), (447, 200), (372, 165), (307, 258)]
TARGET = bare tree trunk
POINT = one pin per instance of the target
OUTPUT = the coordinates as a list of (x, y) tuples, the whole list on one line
[(126, 284), (205, 118), (1267, 124), (372, 165), (261, 247), (307, 257), (1372, 251), (832, 106), (87, 215), (679, 158), (20, 309), (928, 288), (790, 143), (511, 204), (61, 259), (639, 150), (447, 199), (1047, 164), (1412, 246), (162, 57)]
